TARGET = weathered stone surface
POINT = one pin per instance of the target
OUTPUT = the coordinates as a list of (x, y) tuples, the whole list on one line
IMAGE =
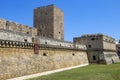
[(49, 21), (16, 62), (15, 27), (14, 36), (98, 45), (49, 41), (111, 57), (21, 37)]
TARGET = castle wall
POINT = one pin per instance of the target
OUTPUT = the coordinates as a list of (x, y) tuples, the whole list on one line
[(111, 57), (98, 46), (16, 62), (14, 36), (49, 41), (21, 37), (109, 46), (17, 57), (15, 27), (94, 56), (64, 44)]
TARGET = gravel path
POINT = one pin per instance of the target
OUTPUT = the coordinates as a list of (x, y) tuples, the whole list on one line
[(46, 73)]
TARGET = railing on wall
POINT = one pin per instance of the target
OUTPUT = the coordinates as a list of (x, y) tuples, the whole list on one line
[(18, 44)]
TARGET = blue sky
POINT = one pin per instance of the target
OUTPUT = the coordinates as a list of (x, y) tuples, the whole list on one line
[(80, 16)]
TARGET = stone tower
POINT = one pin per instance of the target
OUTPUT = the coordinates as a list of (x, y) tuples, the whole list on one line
[(49, 20)]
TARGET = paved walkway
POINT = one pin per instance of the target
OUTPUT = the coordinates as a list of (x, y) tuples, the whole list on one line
[(46, 73)]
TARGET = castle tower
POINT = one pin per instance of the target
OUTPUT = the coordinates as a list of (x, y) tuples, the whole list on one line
[(49, 20)]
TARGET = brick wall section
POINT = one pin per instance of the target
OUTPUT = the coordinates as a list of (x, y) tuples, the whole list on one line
[(16, 62)]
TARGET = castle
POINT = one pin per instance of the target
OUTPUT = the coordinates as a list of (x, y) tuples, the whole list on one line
[(100, 48), (17, 46)]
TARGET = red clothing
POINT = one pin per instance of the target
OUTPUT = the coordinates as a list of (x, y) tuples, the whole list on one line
[(36, 48)]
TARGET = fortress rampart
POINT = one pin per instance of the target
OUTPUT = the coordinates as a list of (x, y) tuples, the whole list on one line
[(22, 37), (26, 50), (15, 27), (17, 57), (15, 62)]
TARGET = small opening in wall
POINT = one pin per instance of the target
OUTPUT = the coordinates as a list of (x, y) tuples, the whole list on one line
[(89, 46), (94, 57), (60, 44), (44, 54), (45, 42), (25, 40), (73, 54), (106, 40), (93, 39), (6, 24), (59, 32), (27, 32)]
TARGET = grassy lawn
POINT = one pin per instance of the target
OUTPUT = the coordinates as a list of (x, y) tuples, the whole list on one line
[(91, 72)]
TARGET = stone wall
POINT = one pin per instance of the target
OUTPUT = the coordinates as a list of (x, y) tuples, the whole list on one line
[(17, 56), (43, 21), (94, 56), (15, 27), (58, 23), (109, 46), (97, 47), (16, 62), (59, 43), (111, 57), (49, 21), (15, 36), (21, 37)]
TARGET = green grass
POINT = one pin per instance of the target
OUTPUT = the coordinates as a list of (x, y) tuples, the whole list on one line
[(91, 72)]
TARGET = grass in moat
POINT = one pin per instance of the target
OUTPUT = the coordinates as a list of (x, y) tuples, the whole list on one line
[(91, 72)]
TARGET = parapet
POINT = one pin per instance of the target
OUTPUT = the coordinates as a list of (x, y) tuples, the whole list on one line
[(60, 43), (11, 31), (14, 36), (102, 37), (7, 36), (15, 27), (94, 35)]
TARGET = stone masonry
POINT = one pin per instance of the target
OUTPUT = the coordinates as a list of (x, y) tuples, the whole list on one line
[(17, 56), (17, 46), (49, 21), (100, 48), (15, 27)]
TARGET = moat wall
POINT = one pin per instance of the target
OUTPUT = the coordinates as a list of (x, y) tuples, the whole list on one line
[(16, 62)]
